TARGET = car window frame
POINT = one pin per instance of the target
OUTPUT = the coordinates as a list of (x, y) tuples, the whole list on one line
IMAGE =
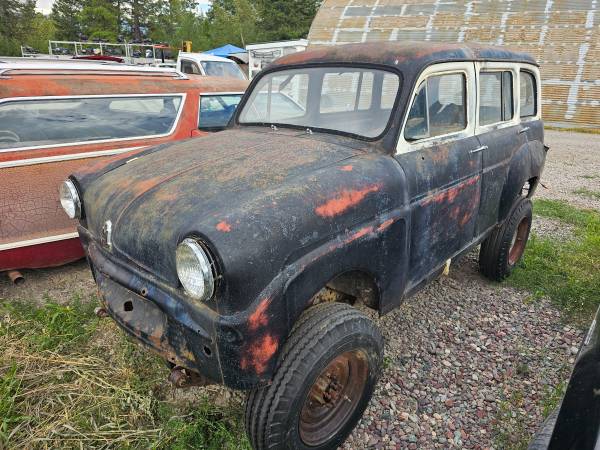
[(216, 94), (514, 69), (466, 68), (181, 95)]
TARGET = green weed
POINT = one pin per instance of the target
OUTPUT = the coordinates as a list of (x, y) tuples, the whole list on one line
[(70, 380), (566, 272)]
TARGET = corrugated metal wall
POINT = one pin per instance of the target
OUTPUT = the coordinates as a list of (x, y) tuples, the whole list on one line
[(563, 35)]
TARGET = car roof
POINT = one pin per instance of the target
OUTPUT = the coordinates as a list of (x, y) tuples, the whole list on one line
[(404, 55), (204, 57), (44, 82)]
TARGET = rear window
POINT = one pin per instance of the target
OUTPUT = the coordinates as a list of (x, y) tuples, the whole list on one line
[(40, 122), (216, 110), (528, 94)]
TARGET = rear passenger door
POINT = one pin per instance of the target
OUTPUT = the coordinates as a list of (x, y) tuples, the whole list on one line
[(499, 132), (439, 153)]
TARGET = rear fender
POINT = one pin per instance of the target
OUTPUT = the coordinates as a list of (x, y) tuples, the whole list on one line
[(526, 163)]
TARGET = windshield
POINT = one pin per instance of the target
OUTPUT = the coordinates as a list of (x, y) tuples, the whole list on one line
[(222, 69), (349, 100)]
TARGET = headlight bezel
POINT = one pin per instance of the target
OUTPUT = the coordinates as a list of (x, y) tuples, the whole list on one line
[(68, 188), (205, 270)]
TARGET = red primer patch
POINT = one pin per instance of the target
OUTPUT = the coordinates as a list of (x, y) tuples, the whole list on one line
[(224, 227), (259, 353), (344, 200), (347, 168), (259, 317)]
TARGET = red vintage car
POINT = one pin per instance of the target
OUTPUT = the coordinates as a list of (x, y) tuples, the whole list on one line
[(57, 117)]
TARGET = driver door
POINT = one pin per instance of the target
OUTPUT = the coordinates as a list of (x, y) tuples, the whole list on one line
[(441, 157)]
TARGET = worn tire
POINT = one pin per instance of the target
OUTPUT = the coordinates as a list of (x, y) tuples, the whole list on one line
[(496, 257), (321, 339), (541, 440)]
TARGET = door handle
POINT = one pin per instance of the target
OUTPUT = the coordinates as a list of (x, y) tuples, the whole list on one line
[(479, 149), (524, 130)]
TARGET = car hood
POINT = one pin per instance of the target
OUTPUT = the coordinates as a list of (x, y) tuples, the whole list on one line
[(238, 190)]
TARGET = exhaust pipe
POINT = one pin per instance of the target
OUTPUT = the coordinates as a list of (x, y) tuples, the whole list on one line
[(16, 277)]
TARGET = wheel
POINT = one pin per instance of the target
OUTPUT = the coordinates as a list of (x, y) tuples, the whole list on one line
[(541, 440), (503, 248), (324, 380)]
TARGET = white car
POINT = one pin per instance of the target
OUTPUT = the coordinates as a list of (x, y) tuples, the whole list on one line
[(204, 64)]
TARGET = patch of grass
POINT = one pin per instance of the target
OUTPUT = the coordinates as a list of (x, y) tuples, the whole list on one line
[(52, 327), (566, 272), (587, 193), (511, 432), (71, 380), (573, 129), (589, 177), (552, 398)]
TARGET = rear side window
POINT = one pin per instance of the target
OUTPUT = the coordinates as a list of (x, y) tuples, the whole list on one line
[(40, 122), (216, 110), (495, 97), (439, 108), (528, 94)]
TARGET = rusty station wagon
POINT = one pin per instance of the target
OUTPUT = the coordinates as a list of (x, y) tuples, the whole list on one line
[(58, 116), (350, 174)]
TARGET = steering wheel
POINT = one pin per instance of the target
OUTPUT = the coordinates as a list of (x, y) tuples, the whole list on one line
[(9, 136)]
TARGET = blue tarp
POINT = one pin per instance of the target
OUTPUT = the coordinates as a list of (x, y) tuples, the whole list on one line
[(225, 51)]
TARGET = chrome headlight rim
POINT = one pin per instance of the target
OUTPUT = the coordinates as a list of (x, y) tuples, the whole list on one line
[(204, 269), (68, 193)]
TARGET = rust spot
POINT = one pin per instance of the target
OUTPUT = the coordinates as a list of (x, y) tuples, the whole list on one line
[(259, 353), (450, 194), (385, 225), (347, 168), (344, 200), (224, 227), (259, 317), (360, 233)]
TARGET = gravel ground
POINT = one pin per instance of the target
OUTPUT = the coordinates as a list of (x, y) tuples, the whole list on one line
[(469, 363), (573, 163)]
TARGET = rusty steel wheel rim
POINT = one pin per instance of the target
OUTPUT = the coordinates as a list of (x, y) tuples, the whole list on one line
[(517, 246), (333, 397)]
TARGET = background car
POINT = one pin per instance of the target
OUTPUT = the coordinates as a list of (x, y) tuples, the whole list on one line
[(57, 117)]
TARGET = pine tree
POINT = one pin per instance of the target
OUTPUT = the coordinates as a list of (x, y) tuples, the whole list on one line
[(16, 18), (65, 14), (287, 19)]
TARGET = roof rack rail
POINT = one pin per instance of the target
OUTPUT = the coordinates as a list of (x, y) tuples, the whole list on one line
[(81, 68)]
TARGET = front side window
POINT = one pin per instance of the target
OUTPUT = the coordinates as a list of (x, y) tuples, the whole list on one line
[(528, 94), (190, 67), (495, 97), (439, 108), (26, 123), (216, 110), (348, 100), (222, 69)]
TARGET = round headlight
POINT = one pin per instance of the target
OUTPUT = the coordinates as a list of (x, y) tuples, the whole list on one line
[(69, 199), (194, 270)]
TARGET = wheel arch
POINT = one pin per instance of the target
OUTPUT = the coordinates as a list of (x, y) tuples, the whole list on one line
[(524, 170)]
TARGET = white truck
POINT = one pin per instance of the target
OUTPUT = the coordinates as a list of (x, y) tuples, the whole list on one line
[(203, 64)]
